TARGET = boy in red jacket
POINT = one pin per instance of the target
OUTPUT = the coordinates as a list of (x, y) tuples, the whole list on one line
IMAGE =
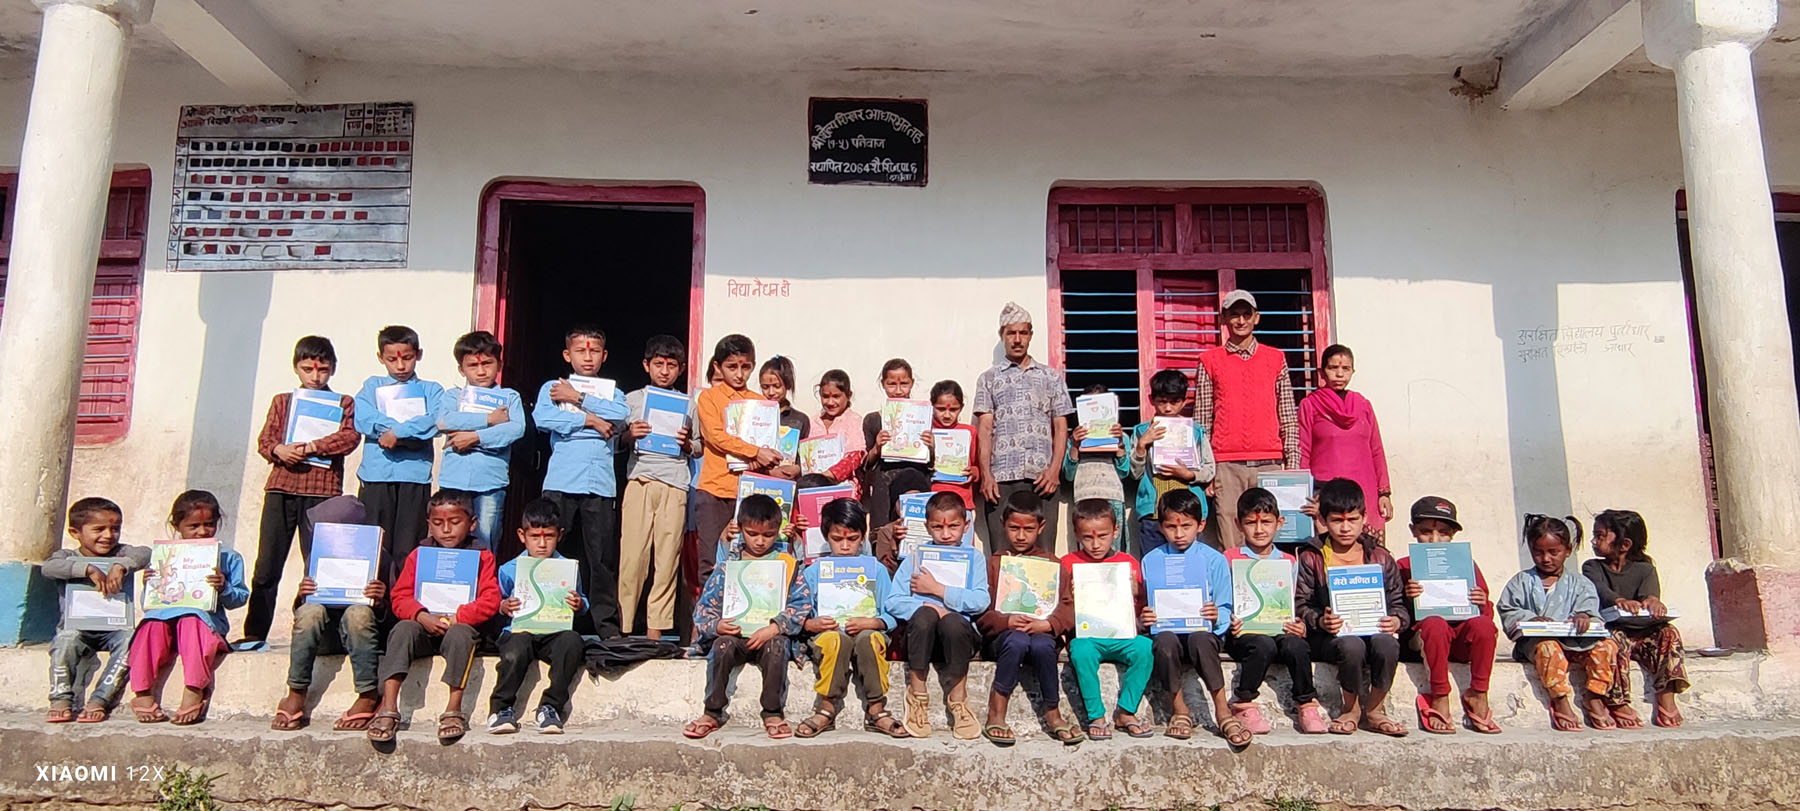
[(1440, 641), (420, 632)]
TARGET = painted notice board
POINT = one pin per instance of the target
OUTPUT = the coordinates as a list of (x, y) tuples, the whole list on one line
[(866, 142)]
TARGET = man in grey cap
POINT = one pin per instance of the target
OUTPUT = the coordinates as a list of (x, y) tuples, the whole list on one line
[(1245, 400), (1021, 411)]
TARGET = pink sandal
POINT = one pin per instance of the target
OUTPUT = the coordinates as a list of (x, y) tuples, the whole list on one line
[(1251, 717), (1311, 721)]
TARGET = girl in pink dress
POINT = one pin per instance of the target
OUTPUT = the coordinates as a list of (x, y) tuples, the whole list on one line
[(836, 419), (1339, 437)]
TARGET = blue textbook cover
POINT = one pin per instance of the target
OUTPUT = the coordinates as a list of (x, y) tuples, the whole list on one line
[(1177, 591), (1291, 489), (1359, 596), (953, 566), (848, 588), (782, 490), (343, 562), (666, 411), (313, 415), (444, 579)]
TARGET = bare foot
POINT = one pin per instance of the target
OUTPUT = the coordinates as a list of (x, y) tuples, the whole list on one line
[(653, 634)]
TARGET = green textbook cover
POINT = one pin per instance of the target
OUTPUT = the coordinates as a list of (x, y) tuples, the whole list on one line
[(177, 575), (543, 586), (1027, 585), (1446, 572), (755, 591), (1262, 594)]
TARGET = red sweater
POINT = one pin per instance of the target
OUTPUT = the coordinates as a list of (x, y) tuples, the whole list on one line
[(487, 592), (1246, 424)]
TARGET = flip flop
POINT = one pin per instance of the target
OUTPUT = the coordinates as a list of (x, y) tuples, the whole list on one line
[(286, 721), (1667, 720), (1561, 724), (1137, 729), (93, 715), (998, 734), (1624, 717), (191, 715), (60, 715), (1069, 734), (1099, 731), (1483, 724), (700, 727), (777, 728), (152, 715), (352, 721), (1431, 720), (1386, 726)]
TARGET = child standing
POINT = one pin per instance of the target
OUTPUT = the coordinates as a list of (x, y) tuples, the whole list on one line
[(1097, 474), (1625, 578), (296, 484), (197, 637), (883, 477), (777, 379), (323, 630), (477, 445), (836, 419), (1259, 521), (396, 472), (946, 415), (1168, 396), (1015, 640), (855, 648), (1094, 534), (1545, 593), (579, 477), (727, 646), (101, 560), (715, 493), (1183, 517), (940, 623), (421, 633), (1345, 543), (540, 529), (1441, 641), (654, 511)]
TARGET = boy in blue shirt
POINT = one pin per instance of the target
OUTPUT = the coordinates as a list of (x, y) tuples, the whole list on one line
[(1168, 396), (478, 441), (396, 467), (854, 647), (940, 623), (540, 529), (579, 478), (1183, 515)]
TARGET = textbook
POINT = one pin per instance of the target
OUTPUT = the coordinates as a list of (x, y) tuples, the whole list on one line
[(1446, 571), (401, 401), (1613, 614), (600, 387), (1027, 585), (344, 557), (755, 592), (177, 575), (1177, 595), (543, 586), (789, 445), (1291, 489), (1176, 445), (817, 455), (1262, 594), (757, 422), (906, 422), (444, 579), (86, 609), (807, 503), (912, 514), (847, 588), (1099, 414), (953, 566), (781, 490), (476, 400), (313, 415), (1595, 630), (666, 412), (1105, 607), (1359, 596), (950, 462)]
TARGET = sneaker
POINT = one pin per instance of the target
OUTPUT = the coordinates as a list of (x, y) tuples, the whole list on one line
[(504, 722), (549, 721)]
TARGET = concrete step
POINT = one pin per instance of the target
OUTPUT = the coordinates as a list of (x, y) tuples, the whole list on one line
[(667, 693)]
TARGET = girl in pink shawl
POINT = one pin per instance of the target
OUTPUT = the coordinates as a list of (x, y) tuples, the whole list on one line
[(1339, 437)]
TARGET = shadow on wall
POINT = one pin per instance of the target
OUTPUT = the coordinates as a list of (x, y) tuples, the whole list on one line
[(233, 307), (1534, 418)]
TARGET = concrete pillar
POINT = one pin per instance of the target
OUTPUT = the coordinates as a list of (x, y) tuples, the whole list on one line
[(1738, 291), (65, 172)]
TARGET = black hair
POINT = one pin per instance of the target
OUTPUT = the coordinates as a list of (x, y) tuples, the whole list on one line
[(1093, 509), (315, 347), (1538, 526), (396, 334), (479, 342), (1182, 500), (1023, 502), (838, 378), (1333, 351), (758, 508), (1630, 526), (665, 346), (1095, 388), (1257, 500), (83, 511), (907, 480), (733, 344), (1341, 497), (945, 503), (810, 480), (541, 513), (783, 369), (451, 498), (585, 331), (191, 500), (943, 387), (894, 364), (844, 512), (1168, 384)]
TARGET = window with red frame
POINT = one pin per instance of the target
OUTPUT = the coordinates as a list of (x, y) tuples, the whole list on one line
[(1136, 275), (104, 411)]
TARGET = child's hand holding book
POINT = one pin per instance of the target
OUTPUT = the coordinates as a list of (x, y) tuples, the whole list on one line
[(819, 625), (511, 606), (730, 628), (1580, 621), (289, 454), (1389, 625), (109, 582), (924, 583), (216, 579), (762, 636), (1331, 623)]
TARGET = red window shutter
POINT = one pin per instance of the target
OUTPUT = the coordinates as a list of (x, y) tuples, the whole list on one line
[(1186, 321)]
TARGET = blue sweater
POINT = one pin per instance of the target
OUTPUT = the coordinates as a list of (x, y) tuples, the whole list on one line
[(581, 461), (408, 461), (233, 595), (1198, 558), (508, 577), (1140, 467), (902, 603), (484, 467)]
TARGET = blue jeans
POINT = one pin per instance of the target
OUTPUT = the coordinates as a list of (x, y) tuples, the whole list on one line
[(75, 655), (321, 630), (490, 509)]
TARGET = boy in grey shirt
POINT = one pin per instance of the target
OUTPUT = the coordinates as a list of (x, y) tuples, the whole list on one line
[(653, 515), (102, 561)]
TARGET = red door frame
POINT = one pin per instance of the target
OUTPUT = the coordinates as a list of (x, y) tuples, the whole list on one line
[(490, 272)]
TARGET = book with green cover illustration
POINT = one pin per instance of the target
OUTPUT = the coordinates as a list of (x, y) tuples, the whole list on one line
[(906, 422), (1262, 594), (1105, 606), (755, 591), (950, 455), (1027, 585), (847, 588), (818, 454), (177, 575), (543, 586)]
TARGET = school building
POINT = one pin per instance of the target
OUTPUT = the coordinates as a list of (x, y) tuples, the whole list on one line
[(1551, 230)]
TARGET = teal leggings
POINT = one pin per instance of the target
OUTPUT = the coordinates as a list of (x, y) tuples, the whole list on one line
[(1134, 660)]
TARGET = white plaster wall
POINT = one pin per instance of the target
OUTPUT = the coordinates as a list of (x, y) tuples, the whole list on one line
[(1451, 229)]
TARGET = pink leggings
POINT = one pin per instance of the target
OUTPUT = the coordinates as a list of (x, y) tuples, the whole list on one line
[(158, 642)]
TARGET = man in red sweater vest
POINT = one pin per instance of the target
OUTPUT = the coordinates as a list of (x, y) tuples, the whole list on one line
[(1245, 401)]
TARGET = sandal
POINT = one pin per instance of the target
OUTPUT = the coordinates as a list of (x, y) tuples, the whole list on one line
[(1341, 726), (152, 714), (1386, 726), (352, 721), (60, 715), (777, 728), (700, 727), (1251, 717), (918, 715), (451, 727), (1069, 734), (1624, 717), (1668, 720), (189, 716), (893, 729), (962, 721), (813, 726), (1136, 729), (1235, 733), (1483, 724), (1098, 730), (1181, 727), (1312, 722), (383, 727), (1431, 720), (289, 721), (93, 714), (999, 734), (1561, 724), (1598, 721)]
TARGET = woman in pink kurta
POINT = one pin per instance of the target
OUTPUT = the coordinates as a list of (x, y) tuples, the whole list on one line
[(1339, 437)]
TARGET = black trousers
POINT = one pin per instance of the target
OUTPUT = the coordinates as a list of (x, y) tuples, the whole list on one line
[(594, 520), (563, 651), (950, 640), (1172, 653), (711, 514), (282, 514), (1379, 652), (399, 509), (1254, 653), (409, 641), (732, 652)]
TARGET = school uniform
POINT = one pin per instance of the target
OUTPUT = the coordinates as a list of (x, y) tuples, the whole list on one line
[(842, 656), (563, 651), (396, 482), (948, 638), (652, 518), (580, 480), (482, 472), (1172, 652), (1255, 652)]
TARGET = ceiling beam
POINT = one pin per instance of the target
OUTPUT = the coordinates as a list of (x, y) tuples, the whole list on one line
[(1567, 51), (236, 44)]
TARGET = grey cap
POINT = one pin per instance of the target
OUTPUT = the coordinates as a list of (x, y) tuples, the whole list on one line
[(1236, 297)]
